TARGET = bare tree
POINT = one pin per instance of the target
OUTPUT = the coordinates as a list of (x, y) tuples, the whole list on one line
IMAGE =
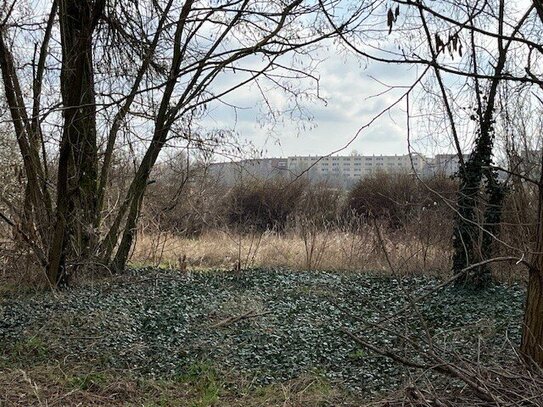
[(128, 70)]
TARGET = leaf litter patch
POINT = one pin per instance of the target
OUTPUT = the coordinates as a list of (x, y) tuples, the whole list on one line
[(269, 325)]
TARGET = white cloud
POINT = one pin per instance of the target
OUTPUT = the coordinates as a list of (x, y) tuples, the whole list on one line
[(354, 96)]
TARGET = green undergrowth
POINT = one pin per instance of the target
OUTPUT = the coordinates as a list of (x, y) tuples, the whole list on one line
[(161, 326)]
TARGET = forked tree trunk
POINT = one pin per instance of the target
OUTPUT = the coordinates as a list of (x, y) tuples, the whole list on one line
[(163, 124)]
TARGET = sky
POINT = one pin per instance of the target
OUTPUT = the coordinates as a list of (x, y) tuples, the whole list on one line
[(353, 96), (355, 92)]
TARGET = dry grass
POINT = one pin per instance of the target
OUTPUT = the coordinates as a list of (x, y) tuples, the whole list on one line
[(411, 252), (19, 271), (336, 250), (57, 385), (326, 250)]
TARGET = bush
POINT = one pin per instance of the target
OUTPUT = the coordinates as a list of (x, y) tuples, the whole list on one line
[(321, 203), (264, 205), (398, 198), (182, 199)]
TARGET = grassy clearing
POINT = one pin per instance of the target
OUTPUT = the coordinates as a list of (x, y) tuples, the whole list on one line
[(165, 338), (333, 250), (411, 254)]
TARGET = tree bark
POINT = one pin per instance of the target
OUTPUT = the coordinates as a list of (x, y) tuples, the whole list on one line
[(532, 330), (532, 337), (78, 164)]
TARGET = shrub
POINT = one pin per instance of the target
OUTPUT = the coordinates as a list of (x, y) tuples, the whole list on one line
[(321, 203), (264, 205), (182, 199), (398, 198)]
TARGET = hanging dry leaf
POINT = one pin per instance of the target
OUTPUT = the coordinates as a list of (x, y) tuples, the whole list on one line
[(455, 41), (390, 20), (439, 43)]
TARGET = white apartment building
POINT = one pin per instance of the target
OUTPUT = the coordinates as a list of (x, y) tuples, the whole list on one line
[(355, 166), (345, 170), (261, 168)]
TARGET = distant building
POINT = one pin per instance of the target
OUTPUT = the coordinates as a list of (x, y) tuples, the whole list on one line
[(443, 164), (344, 170), (261, 168), (354, 167)]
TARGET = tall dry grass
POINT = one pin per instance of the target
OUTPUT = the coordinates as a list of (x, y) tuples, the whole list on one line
[(331, 250)]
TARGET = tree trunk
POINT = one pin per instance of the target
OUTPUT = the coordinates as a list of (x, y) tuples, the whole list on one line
[(532, 333), (78, 164), (121, 257), (37, 200), (138, 189), (466, 232), (532, 330), (138, 186), (496, 192)]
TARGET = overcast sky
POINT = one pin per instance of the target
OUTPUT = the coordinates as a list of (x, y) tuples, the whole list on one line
[(353, 97), (355, 93)]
